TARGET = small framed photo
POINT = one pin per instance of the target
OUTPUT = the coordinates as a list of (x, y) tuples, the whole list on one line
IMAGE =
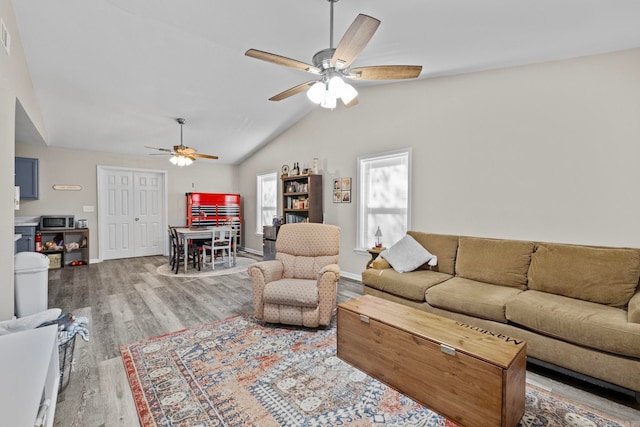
[(337, 196), (337, 185), (345, 184), (346, 196)]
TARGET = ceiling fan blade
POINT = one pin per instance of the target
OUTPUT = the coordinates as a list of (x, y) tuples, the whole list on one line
[(386, 72), (352, 103), (292, 91), (156, 148), (281, 60), (160, 154), (354, 40), (203, 156), (188, 150)]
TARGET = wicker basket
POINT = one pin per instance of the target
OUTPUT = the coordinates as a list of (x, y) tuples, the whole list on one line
[(65, 354)]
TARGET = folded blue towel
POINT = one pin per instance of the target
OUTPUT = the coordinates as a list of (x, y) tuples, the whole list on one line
[(78, 326)]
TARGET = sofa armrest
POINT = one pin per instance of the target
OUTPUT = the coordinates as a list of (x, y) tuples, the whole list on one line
[(262, 273), (380, 264), (634, 308)]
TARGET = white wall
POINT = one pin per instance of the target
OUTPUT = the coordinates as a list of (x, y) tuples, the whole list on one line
[(71, 167), (15, 83), (544, 152)]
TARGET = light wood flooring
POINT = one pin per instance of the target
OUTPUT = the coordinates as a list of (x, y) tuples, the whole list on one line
[(126, 301)]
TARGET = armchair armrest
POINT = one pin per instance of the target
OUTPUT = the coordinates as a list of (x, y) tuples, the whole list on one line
[(262, 273), (328, 277), (634, 308), (269, 270), (380, 264)]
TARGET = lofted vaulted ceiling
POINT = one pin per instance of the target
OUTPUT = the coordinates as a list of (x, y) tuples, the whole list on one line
[(113, 75)]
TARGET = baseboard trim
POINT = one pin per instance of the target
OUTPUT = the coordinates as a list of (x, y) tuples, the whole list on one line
[(251, 251), (352, 276)]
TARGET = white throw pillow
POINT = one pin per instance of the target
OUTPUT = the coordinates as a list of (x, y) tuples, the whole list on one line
[(407, 255)]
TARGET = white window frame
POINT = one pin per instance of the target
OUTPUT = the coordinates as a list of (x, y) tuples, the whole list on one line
[(364, 234), (260, 180)]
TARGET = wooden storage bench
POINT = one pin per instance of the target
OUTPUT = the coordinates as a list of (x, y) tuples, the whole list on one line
[(470, 376)]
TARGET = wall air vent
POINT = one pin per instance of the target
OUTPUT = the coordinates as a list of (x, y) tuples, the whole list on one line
[(5, 37)]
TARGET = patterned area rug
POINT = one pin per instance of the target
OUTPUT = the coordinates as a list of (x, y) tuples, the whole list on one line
[(239, 372), (221, 269)]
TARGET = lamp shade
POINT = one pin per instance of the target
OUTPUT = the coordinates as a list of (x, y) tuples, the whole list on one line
[(348, 94), (316, 92)]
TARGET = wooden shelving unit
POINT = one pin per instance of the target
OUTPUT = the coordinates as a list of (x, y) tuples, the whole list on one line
[(59, 258), (302, 198)]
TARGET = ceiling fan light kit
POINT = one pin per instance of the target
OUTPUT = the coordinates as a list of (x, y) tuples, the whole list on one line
[(332, 65)]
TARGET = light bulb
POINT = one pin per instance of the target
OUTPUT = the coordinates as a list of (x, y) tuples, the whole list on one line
[(187, 161), (316, 92), (336, 85), (348, 93), (328, 101), (174, 160)]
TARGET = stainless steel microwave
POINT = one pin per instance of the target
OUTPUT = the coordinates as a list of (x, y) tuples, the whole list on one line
[(55, 222)]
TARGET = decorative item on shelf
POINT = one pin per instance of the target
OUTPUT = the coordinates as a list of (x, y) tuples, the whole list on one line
[(378, 236), (285, 171), (315, 165), (342, 190), (295, 170)]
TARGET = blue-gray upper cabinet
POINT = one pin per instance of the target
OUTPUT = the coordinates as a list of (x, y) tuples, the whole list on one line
[(27, 177)]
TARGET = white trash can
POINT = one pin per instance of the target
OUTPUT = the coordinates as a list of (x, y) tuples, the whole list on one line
[(31, 283)]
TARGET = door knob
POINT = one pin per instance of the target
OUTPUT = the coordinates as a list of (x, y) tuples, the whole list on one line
[(137, 219)]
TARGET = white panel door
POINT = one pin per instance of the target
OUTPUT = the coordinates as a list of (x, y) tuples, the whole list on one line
[(148, 189), (132, 206)]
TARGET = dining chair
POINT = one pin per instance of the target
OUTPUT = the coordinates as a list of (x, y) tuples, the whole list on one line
[(193, 253), (221, 244)]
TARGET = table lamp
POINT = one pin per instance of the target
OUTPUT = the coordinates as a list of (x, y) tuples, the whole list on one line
[(378, 236)]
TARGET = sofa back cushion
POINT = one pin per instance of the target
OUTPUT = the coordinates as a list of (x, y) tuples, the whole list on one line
[(443, 246), (601, 275), (496, 261)]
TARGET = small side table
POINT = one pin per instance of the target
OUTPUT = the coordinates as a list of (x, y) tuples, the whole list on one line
[(374, 254)]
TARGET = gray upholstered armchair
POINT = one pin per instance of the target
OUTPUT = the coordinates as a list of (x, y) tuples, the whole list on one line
[(299, 287)]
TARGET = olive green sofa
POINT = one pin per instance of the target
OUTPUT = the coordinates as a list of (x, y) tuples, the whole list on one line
[(578, 307)]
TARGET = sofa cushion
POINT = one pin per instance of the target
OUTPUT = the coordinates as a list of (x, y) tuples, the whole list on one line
[(407, 285), (444, 246), (581, 322), (473, 298), (296, 292), (495, 261), (407, 255), (602, 275)]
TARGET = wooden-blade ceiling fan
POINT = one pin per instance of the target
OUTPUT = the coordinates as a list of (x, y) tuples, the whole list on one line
[(335, 62), (182, 155)]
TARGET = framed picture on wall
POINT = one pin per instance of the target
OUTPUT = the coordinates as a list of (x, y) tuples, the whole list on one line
[(342, 190)]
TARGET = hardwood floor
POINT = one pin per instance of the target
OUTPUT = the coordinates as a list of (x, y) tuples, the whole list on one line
[(126, 301)]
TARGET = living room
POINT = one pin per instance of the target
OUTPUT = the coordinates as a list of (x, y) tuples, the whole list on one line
[(542, 152)]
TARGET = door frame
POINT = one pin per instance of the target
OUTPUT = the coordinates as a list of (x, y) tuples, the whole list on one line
[(165, 205)]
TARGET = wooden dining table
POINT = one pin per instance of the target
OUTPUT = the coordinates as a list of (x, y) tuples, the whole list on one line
[(206, 233)]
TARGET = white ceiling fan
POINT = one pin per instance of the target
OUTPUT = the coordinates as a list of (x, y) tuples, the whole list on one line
[(333, 66), (182, 155)]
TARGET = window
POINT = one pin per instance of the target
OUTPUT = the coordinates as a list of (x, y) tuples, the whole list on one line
[(383, 198), (266, 205)]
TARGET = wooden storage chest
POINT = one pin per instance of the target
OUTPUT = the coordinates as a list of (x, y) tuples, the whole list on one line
[(471, 376)]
